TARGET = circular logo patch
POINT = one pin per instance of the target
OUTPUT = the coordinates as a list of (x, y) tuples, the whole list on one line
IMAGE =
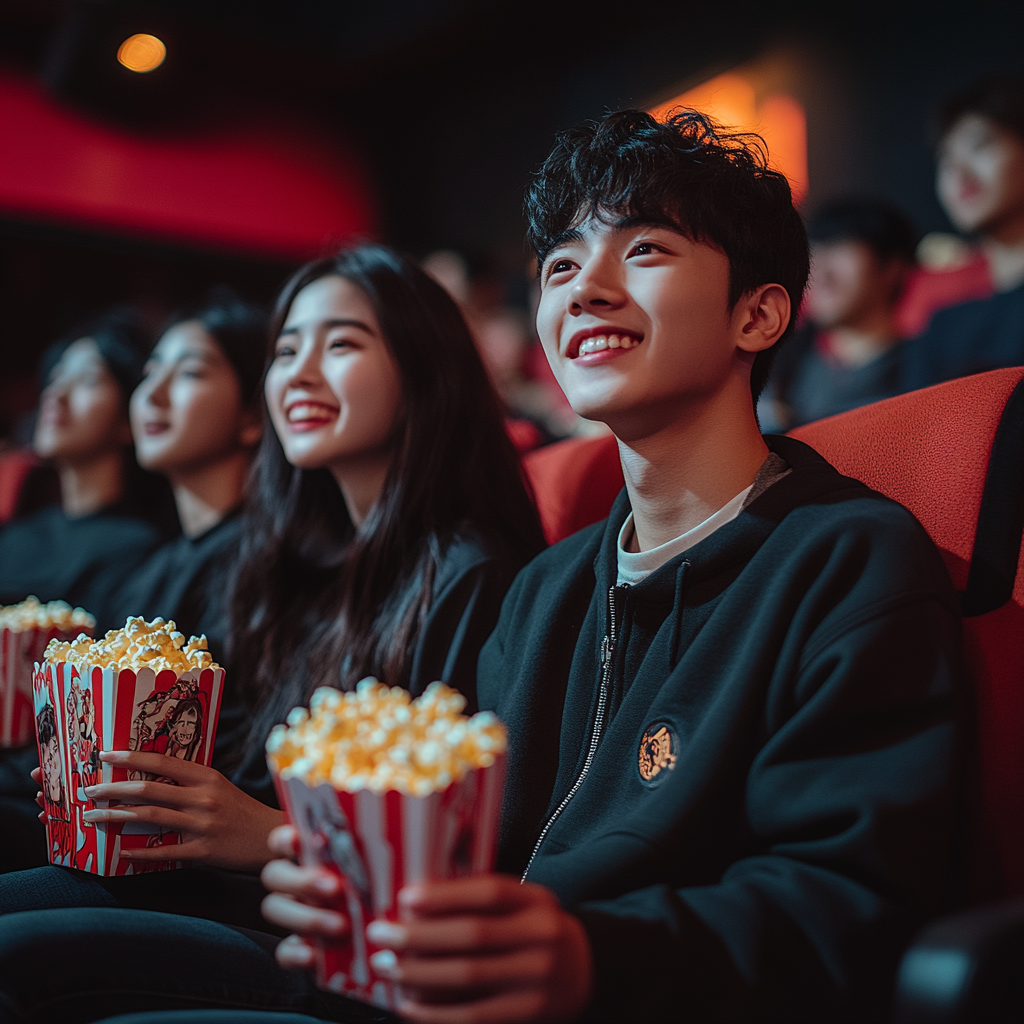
[(657, 754)]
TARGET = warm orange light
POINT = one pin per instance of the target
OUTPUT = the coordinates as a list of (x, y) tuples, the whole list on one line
[(779, 120), (141, 53)]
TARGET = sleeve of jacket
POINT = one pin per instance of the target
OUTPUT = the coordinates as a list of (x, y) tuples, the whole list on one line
[(461, 617), (851, 801)]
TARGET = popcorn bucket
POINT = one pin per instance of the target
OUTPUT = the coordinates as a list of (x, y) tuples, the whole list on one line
[(83, 709), (379, 842), (384, 792), (25, 630)]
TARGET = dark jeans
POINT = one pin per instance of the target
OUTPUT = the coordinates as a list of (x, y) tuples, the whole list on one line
[(82, 965), (24, 837), (228, 897), (212, 1017)]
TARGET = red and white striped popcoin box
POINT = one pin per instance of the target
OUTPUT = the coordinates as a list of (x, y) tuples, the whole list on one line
[(25, 630), (385, 792), (86, 700)]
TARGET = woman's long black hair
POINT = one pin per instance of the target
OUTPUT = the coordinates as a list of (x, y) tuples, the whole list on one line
[(317, 601)]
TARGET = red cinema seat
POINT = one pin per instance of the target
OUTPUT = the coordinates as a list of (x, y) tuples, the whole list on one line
[(574, 483), (954, 455), (930, 450)]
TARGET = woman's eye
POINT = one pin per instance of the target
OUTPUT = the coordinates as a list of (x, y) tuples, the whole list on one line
[(283, 350), (339, 344)]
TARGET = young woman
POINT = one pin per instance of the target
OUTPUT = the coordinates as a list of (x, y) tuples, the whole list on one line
[(77, 550), (387, 519), (196, 420)]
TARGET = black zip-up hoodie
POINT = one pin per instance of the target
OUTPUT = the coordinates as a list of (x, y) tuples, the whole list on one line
[(742, 773)]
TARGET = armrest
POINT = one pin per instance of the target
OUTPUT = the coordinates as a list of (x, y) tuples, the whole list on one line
[(965, 968)]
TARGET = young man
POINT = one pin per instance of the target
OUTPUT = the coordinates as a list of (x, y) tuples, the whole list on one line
[(732, 706), (846, 355)]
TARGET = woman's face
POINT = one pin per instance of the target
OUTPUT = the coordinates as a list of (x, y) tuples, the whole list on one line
[(980, 174), (187, 413), (333, 389), (81, 411)]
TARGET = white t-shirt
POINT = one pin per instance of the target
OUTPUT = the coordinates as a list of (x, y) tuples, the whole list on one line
[(635, 566)]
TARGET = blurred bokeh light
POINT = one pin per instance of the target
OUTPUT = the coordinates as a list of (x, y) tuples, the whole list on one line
[(142, 53)]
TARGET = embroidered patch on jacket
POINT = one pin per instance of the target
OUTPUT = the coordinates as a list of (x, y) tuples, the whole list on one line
[(657, 751)]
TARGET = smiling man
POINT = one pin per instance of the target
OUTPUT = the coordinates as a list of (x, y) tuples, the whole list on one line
[(732, 706)]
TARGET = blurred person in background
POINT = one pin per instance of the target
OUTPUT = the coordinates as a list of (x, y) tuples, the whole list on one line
[(80, 549), (845, 355), (197, 418), (536, 413), (980, 182), (106, 519)]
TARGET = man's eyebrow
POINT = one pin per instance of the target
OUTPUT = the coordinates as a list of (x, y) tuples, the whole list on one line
[(636, 221), (571, 235)]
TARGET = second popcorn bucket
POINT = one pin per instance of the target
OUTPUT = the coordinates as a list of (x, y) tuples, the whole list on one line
[(385, 791), (143, 688)]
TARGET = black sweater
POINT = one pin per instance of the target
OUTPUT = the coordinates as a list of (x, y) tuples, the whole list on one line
[(472, 577), (796, 678)]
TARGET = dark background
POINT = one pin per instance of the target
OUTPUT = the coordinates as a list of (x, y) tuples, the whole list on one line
[(451, 104)]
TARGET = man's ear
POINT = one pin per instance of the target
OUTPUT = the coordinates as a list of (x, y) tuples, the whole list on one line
[(251, 430), (761, 317)]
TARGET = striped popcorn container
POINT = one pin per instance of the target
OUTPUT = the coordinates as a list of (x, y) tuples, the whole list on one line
[(25, 630), (377, 840)]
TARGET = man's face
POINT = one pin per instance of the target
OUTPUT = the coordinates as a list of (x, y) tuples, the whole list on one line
[(848, 283), (980, 174), (636, 324)]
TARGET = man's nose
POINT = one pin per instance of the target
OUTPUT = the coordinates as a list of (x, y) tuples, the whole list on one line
[(599, 284)]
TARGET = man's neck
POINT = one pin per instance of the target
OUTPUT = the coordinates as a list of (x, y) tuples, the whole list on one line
[(204, 496), (1004, 249), (685, 471), (86, 487)]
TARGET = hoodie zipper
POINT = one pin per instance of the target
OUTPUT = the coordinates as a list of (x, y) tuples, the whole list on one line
[(607, 657)]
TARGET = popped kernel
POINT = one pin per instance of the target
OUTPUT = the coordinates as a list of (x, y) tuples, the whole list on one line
[(379, 739), (33, 614), (140, 644)]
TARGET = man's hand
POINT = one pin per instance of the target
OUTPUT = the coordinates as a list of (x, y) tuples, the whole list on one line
[(481, 950), (219, 824)]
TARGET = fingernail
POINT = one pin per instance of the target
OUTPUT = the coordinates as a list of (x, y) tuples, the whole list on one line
[(334, 922), (327, 884), (410, 895), (106, 755), (385, 963), (93, 815), (89, 790), (385, 933)]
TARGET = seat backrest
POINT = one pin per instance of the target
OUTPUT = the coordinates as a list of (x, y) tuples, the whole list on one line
[(930, 450), (574, 483)]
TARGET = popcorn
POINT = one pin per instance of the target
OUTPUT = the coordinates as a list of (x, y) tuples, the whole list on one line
[(157, 645), (379, 739), (33, 614)]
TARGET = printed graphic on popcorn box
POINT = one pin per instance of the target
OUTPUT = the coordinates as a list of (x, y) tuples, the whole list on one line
[(25, 630), (385, 792), (168, 706)]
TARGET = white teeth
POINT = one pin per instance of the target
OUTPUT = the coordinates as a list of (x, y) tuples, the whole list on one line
[(600, 342), (305, 412)]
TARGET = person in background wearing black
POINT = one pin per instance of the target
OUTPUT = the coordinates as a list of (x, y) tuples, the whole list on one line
[(980, 181), (81, 549), (734, 738), (386, 520), (196, 418), (847, 354), (78, 550)]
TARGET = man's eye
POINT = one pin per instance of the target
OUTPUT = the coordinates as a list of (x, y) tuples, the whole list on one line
[(559, 267), (644, 249)]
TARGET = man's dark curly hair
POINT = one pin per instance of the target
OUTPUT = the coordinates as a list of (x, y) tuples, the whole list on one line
[(687, 173)]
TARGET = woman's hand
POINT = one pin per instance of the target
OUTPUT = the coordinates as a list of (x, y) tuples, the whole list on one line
[(481, 949), (219, 824), (37, 777)]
